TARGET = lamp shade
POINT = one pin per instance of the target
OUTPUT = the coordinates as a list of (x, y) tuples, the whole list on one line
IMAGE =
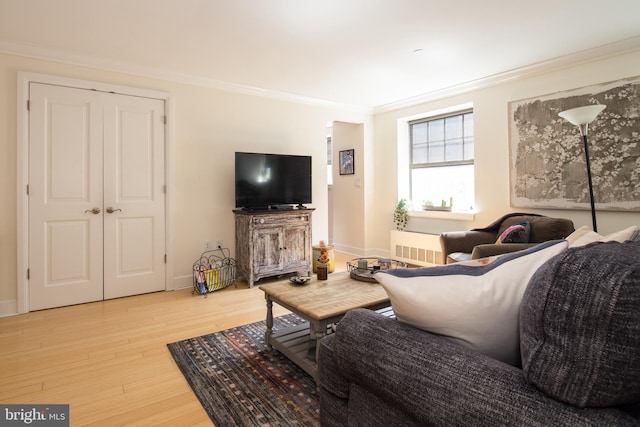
[(582, 115)]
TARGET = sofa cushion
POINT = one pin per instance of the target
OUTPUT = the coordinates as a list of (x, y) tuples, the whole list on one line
[(517, 233), (580, 326), (584, 235), (475, 303), (577, 234), (543, 228), (460, 257)]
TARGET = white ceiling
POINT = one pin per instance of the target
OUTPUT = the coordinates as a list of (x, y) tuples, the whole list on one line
[(351, 52)]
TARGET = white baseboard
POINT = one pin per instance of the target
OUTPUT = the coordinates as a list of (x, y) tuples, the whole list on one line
[(8, 307), (360, 252), (182, 282)]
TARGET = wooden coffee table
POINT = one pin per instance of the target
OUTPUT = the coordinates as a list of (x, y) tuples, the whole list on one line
[(321, 303)]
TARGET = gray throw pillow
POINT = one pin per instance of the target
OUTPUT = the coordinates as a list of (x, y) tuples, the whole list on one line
[(580, 326)]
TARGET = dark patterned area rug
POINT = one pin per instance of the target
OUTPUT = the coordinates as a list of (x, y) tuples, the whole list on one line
[(241, 383)]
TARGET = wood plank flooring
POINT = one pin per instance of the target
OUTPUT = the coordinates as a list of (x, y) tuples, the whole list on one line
[(109, 361)]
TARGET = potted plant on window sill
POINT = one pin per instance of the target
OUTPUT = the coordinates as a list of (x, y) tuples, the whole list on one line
[(401, 215), (442, 207)]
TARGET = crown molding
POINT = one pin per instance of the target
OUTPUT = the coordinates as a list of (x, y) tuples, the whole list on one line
[(584, 56), (36, 52), (581, 57)]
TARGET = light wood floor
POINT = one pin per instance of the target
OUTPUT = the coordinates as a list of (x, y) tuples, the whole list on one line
[(109, 360)]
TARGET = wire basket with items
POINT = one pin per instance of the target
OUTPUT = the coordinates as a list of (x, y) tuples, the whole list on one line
[(364, 268), (214, 270)]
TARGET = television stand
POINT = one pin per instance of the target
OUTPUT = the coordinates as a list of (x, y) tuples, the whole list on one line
[(272, 242)]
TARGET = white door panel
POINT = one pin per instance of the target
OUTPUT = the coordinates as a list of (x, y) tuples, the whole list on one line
[(90, 151), (65, 180), (66, 246), (134, 188)]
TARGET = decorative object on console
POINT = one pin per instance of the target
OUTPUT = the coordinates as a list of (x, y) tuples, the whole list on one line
[(581, 117)]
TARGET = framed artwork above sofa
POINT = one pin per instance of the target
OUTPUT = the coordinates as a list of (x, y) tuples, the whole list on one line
[(547, 161)]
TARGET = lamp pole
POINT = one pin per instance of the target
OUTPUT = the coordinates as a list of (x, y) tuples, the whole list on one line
[(586, 153), (581, 117)]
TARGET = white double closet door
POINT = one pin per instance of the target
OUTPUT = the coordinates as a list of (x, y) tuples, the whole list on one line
[(96, 196)]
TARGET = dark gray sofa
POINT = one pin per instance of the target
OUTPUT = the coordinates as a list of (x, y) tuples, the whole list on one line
[(580, 344)]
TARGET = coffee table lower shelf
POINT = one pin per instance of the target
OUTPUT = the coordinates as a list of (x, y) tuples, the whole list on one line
[(296, 344)]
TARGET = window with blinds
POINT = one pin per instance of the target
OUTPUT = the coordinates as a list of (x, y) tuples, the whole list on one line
[(441, 161)]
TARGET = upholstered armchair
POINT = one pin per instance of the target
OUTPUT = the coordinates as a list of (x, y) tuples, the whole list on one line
[(510, 233)]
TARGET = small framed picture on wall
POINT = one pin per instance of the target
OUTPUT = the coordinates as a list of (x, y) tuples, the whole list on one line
[(346, 162)]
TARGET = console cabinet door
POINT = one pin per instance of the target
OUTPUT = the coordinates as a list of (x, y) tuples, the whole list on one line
[(268, 251), (296, 244)]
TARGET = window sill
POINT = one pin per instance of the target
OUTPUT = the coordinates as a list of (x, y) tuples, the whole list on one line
[(452, 216)]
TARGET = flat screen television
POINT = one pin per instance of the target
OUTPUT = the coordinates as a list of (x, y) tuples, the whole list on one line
[(272, 181)]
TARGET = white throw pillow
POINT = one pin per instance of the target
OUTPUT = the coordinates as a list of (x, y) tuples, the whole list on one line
[(571, 238), (475, 303), (587, 236)]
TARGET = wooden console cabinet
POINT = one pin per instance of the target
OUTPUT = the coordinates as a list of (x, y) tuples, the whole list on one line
[(270, 243)]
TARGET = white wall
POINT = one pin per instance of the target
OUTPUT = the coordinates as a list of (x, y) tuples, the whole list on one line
[(491, 148), (209, 126), (348, 190)]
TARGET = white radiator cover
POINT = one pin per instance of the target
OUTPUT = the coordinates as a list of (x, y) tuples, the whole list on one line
[(416, 248)]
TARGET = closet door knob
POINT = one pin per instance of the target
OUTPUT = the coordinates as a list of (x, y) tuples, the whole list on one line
[(94, 211), (111, 210)]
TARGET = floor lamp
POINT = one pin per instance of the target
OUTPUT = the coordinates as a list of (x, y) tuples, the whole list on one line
[(581, 117)]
